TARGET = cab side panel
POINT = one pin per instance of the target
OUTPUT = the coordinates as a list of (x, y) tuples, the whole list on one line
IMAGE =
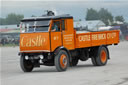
[(68, 35), (56, 40)]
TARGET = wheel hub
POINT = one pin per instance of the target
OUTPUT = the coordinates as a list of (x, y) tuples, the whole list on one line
[(63, 61), (103, 56)]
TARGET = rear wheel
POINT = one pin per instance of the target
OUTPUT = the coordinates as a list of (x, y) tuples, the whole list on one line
[(100, 56), (94, 61), (26, 65), (75, 62), (61, 61)]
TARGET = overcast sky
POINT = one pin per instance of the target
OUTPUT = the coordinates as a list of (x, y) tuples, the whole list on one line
[(77, 8)]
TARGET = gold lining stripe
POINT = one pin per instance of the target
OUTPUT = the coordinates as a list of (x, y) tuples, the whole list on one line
[(36, 51)]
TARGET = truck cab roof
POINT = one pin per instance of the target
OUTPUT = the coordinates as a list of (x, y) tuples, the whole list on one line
[(65, 16)]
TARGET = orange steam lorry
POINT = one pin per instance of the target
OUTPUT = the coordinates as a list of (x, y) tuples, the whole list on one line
[(53, 41)]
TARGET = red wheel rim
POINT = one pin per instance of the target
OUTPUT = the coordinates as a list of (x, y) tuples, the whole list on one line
[(103, 56), (63, 61)]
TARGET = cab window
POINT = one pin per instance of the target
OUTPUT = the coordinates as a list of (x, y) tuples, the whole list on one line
[(35, 26), (56, 26)]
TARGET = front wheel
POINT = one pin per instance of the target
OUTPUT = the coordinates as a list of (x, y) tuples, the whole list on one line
[(61, 61), (26, 65)]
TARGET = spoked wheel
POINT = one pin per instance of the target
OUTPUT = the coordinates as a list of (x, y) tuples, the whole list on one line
[(100, 56), (26, 65), (61, 61)]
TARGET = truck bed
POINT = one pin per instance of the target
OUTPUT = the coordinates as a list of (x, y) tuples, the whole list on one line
[(90, 39)]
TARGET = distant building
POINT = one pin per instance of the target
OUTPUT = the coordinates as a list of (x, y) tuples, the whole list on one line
[(9, 30), (92, 25), (118, 22), (9, 26), (9, 33)]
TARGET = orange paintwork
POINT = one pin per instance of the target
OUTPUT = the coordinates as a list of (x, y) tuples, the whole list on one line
[(63, 38), (49, 41), (68, 35), (56, 40), (83, 40), (112, 37), (97, 38), (34, 42)]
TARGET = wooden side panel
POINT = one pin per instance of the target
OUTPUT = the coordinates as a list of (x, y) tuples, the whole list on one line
[(97, 38), (34, 42), (112, 37), (83, 40)]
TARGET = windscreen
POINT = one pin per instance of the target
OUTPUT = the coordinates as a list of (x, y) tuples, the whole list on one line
[(35, 26)]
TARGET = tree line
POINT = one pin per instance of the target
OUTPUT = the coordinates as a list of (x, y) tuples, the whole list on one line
[(92, 14), (11, 19), (103, 15)]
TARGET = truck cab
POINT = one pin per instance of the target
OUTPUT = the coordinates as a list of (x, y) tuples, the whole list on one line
[(45, 34), (42, 38)]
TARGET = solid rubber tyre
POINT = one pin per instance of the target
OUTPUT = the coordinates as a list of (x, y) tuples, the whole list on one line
[(93, 54), (100, 57), (61, 61), (94, 61), (26, 65), (75, 62)]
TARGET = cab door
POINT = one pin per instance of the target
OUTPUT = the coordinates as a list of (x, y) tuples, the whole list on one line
[(68, 33), (56, 34)]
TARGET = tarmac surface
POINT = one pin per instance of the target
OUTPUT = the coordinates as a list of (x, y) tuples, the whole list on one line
[(114, 73)]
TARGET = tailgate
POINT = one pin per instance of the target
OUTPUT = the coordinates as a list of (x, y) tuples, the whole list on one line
[(34, 42)]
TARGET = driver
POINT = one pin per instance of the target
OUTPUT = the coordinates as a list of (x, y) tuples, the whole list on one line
[(55, 27)]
